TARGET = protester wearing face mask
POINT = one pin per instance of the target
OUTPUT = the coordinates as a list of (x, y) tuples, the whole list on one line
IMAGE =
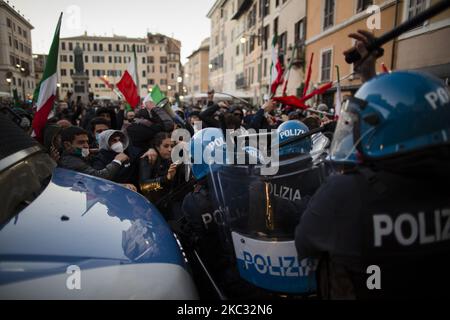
[(97, 126), (112, 143), (75, 142)]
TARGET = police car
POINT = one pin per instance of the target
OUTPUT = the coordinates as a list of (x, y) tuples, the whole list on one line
[(65, 235)]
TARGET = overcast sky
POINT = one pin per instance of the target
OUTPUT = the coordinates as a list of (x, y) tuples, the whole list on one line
[(185, 20)]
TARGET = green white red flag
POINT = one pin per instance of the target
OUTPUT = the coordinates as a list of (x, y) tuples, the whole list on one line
[(128, 85), (45, 93)]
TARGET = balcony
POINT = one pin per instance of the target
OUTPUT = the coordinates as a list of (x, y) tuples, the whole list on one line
[(241, 82), (299, 60)]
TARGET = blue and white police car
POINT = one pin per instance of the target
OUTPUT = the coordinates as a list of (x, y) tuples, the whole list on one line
[(65, 235)]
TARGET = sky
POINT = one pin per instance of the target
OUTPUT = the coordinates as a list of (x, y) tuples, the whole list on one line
[(185, 20)]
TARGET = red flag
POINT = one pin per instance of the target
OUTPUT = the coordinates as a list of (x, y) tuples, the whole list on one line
[(276, 71), (384, 68), (291, 101), (308, 77), (128, 85), (300, 103), (319, 91)]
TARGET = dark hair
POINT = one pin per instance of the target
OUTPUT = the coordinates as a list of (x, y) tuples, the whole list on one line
[(180, 114), (194, 114), (230, 121), (69, 134), (97, 121), (312, 122), (159, 138), (236, 107), (103, 110)]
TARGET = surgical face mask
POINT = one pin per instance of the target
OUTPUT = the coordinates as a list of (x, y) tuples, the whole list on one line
[(83, 152), (117, 147), (198, 126), (97, 137)]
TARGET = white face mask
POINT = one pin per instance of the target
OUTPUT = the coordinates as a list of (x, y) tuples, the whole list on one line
[(84, 152), (117, 147)]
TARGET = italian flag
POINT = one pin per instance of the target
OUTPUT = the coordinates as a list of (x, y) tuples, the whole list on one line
[(128, 85), (276, 72), (45, 93)]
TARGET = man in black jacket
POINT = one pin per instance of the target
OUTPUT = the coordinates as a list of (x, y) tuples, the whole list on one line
[(148, 122), (75, 142), (261, 120)]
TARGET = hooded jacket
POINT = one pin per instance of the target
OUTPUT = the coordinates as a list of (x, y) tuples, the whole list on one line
[(127, 173)]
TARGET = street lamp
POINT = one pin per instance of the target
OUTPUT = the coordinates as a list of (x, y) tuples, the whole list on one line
[(9, 81), (169, 87), (179, 79), (25, 73), (58, 85)]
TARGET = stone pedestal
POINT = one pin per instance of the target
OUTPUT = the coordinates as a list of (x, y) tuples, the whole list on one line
[(81, 87)]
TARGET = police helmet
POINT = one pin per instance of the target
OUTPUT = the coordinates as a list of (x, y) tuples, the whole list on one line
[(393, 115), (289, 130), (207, 151)]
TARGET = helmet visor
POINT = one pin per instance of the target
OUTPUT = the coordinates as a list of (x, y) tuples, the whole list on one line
[(343, 147)]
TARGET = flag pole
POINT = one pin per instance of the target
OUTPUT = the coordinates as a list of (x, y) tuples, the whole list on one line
[(294, 50), (308, 76), (337, 109), (136, 68)]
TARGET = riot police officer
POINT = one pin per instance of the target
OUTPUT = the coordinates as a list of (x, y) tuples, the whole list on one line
[(382, 230)]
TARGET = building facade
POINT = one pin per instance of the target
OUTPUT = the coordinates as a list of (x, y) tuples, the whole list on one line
[(39, 61), (329, 24), (241, 44), (429, 43), (196, 70), (107, 58), (16, 62)]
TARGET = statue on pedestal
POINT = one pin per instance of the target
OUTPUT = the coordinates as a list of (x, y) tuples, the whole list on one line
[(79, 63)]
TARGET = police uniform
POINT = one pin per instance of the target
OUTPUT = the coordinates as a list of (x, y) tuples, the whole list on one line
[(388, 220), (383, 229)]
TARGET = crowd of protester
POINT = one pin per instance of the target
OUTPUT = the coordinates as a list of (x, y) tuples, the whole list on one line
[(133, 147)]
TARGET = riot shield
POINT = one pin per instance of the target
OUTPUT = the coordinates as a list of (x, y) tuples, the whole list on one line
[(259, 214)]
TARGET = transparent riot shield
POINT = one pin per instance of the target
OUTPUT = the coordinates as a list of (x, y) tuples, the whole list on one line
[(259, 215)]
